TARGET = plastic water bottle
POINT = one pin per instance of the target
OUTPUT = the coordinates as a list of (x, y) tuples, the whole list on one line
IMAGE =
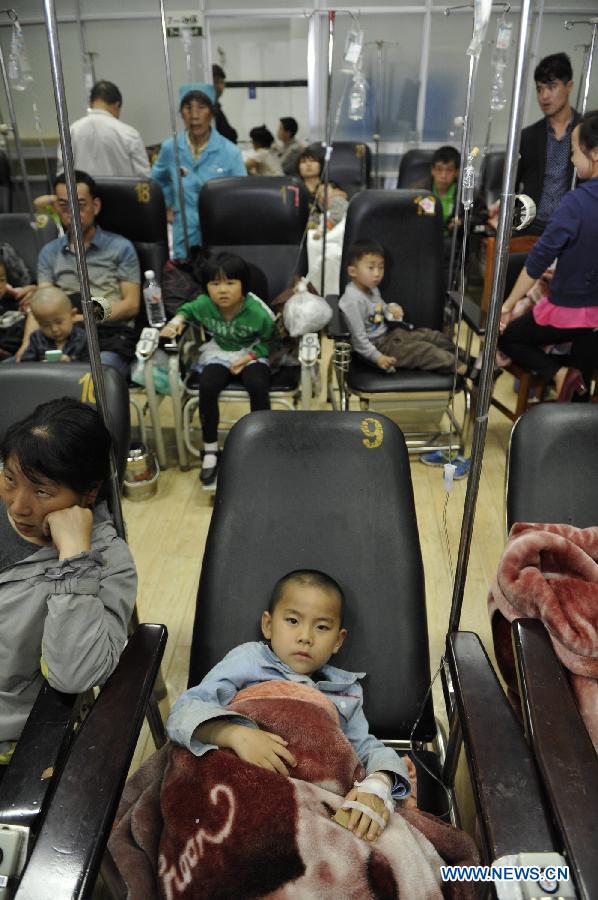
[(499, 62), (152, 295), (357, 98)]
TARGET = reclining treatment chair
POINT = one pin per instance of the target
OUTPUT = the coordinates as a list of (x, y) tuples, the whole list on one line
[(29, 789), (412, 240), (135, 209), (414, 167), (552, 477), (15, 229), (298, 510), (350, 165), (262, 219)]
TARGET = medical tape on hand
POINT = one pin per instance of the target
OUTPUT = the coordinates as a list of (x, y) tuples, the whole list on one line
[(378, 787), (354, 804)]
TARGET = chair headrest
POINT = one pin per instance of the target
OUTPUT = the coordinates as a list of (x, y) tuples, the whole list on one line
[(134, 208), (286, 480), (552, 474), (15, 229), (23, 386), (259, 210)]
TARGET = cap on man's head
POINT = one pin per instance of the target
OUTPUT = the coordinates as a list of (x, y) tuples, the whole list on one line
[(198, 87)]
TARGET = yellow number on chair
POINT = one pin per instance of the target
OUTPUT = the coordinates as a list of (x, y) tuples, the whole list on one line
[(88, 394), (142, 189), (373, 433)]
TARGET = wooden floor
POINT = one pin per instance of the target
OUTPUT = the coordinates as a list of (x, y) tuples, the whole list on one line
[(167, 536)]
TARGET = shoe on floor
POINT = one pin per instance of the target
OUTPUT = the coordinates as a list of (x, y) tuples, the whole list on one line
[(434, 458)]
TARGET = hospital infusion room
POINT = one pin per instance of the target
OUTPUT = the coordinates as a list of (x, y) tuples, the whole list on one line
[(298, 431)]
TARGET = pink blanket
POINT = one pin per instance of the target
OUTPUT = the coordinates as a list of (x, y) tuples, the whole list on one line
[(224, 828), (550, 572)]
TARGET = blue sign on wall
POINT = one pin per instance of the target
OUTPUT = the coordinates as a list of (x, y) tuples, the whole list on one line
[(252, 91)]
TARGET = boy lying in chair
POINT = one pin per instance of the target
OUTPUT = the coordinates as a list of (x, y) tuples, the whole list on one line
[(280, 759), (303, 625), (369, 317)]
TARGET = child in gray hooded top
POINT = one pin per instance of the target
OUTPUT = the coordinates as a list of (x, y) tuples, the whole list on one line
[(368, 316)]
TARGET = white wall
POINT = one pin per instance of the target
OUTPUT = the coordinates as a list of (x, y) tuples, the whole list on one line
[(268, 46)]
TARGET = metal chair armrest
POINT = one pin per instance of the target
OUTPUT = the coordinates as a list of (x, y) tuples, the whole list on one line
[(508, 797), (562, 747), (69, 848)]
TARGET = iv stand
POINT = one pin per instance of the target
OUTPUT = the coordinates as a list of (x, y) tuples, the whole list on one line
[(79, 246), (183, 211), (15, 128), (331, 21), (499, 275), (153, 712), (473, 61), (588, 63)]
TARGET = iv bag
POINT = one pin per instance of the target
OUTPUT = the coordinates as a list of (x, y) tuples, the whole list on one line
[(357, 97), (481, 17), (353, 47), (19, 70)]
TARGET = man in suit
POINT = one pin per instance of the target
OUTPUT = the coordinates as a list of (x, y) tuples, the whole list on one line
[(545, 169), (221, 123)]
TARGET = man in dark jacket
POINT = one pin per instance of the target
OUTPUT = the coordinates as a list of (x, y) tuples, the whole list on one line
[(222, 124), (545, 169)]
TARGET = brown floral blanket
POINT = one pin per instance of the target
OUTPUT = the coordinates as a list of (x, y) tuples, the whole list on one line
[(550, 572), (218, 827)]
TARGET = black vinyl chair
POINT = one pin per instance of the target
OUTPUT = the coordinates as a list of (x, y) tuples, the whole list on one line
[(413, 246), (552, 477), (350, 165), (135, 208), (301, 467), (23, 386), (414, 168), (15, 229)]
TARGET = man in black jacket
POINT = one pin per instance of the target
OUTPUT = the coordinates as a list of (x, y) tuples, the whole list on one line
[(545, 169), (222, 124)]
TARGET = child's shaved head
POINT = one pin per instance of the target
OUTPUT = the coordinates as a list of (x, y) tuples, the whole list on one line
[(49, 295)]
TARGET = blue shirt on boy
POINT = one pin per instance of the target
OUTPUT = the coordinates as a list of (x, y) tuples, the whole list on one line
[(255, 662)]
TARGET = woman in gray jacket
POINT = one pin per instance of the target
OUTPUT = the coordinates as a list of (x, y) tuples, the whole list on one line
[(67, 581)]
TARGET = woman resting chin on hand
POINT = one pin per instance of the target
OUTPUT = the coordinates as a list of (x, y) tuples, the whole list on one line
[(67, 581)]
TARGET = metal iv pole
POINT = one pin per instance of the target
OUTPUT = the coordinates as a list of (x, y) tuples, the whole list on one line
[(587, 72), (173, 130), (499, 275), (153, 713)]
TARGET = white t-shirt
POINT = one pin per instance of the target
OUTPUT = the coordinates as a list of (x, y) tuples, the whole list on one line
[(103, 145)]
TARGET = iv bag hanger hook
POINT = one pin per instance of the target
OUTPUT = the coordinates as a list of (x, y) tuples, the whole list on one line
[(506, 7), (12, 15)]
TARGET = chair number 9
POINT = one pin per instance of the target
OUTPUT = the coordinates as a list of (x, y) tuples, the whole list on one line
[(373, 433), (142, 189), (88, 394)]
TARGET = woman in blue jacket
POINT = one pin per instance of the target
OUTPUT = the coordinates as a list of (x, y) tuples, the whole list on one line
[(203, 154)]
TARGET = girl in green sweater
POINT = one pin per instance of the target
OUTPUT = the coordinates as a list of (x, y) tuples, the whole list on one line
[(240, 325)]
